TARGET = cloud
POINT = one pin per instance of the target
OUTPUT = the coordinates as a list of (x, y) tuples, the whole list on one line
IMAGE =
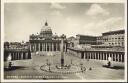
[(95, 10), (96, 28), (56, 13), (57, 6)]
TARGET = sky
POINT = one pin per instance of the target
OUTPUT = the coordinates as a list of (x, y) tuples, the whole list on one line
[(23, 19)]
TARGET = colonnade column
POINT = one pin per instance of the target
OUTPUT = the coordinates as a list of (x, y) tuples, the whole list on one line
[(35, 47), (52, 46), (45, 46), (30, 47), (115, 56), (112, 56), (118, 56), (102, 56), (121, 57), (39, 47)]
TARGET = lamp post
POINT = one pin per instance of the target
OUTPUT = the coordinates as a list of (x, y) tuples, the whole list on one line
[(81, 65), (47, 61), (49, 64), (71, 61)]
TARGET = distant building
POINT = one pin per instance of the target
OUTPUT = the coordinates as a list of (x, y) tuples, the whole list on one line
[(85, 39), (108, 40), (112, 38), (45, 40), (71, 41)]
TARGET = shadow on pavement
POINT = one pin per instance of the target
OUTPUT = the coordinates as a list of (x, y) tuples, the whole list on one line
[(114, 67), (14, 68)]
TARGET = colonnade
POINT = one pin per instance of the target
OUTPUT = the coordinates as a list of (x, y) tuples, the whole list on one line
[(17, 55), (98, 55)]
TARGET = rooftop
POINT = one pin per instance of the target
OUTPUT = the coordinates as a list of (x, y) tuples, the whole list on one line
[(114, 32)]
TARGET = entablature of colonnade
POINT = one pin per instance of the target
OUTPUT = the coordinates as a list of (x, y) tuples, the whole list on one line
[(16, 50), (78, 50)]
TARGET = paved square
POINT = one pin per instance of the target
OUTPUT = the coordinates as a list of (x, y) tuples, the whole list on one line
[(30, 69)]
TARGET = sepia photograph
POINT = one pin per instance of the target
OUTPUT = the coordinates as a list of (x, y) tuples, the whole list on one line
[(68, 41)]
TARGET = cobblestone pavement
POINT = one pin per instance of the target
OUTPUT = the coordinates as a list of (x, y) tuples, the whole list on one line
[(30, 69)]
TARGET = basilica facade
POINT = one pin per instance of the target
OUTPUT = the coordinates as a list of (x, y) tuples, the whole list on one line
[(45, 40)]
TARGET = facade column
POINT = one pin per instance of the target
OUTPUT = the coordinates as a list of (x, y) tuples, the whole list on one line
[(46, 46), (90, 55), (35, 47), (49, 46), (42, 46), (22, 55), (118, 56), (56, 46), (26, 55), (100, 55), (115, 57), (103, 56), (84, 55), (106, 56), (121, 57), (95, 54), (17, 55), (30, 47), (112, 56), (12, 56), (59, 46), (39, 46), (52, 47)]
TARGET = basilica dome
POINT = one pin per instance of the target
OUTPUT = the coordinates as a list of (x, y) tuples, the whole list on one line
[(46, 30)]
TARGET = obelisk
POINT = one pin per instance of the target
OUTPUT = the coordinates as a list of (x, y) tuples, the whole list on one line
[(62, 50)]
